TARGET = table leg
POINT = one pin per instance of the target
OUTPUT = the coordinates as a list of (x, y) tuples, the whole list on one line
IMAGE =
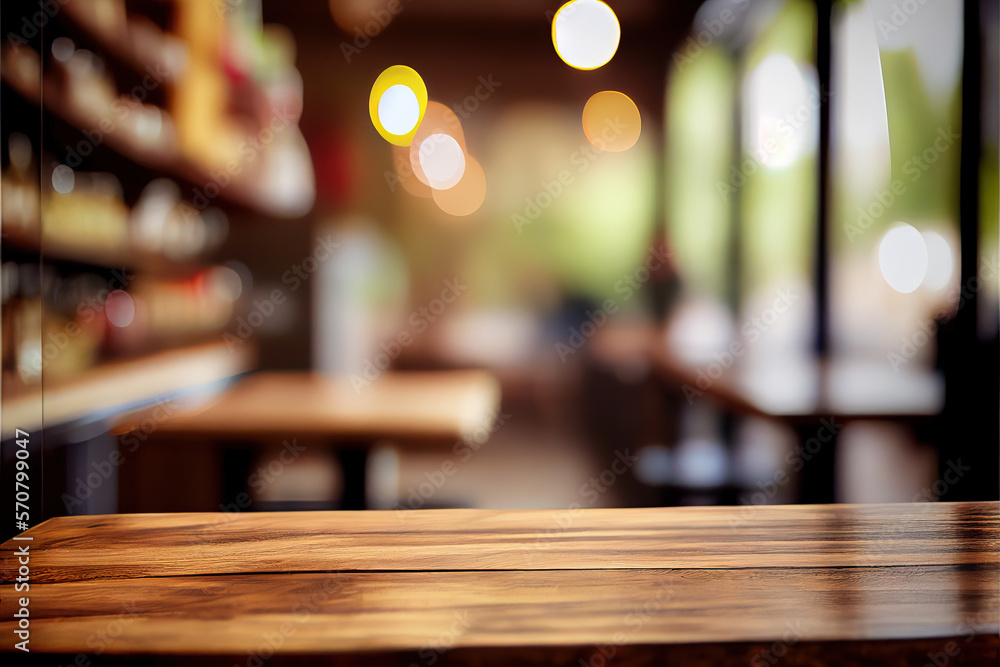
[(354, 467)]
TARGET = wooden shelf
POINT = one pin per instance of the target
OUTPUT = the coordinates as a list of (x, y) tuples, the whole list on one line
[(120, 387), (248, 188), (139, 52), (97, 256)]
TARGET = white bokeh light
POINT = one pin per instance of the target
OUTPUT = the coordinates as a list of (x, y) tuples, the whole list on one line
[(940, 261), (902, 258), (63, 179), (119, 308), (782, 111), (443, 161), (586, 33), (398, 109)]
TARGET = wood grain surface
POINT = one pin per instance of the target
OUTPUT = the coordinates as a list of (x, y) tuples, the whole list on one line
[(425, 405), (870, 577)]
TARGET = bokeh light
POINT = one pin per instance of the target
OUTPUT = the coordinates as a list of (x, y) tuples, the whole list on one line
[(467, 195), (782, 116), (611, 121), (119, 308), (63, 179), (902, 258), (940, 261), (438, 120), (397, 103), (442, 160), (586, 33), (225, 283)]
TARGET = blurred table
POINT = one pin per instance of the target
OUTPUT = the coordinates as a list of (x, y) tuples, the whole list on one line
[(807, 584), (412, 409), (815, 397)]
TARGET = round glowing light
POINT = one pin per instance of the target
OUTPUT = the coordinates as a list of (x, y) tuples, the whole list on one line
[(438, 119), (902, 258), (586, 33), (62, 48), (225, 284), (63, 179), (443, 161), (467, 195), (611, 121), (397, 103), (781, 118), (399, 109), (940, 261), (119, 308)]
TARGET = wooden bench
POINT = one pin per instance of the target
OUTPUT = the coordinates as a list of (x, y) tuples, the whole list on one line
[(821, 584)]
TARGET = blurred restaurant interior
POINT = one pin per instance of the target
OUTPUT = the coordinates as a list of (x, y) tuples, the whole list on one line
[(746, 256)]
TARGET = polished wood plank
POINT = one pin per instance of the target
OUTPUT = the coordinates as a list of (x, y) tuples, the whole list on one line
[(406, 610), (427, 405), (344, 582), (77, 548)]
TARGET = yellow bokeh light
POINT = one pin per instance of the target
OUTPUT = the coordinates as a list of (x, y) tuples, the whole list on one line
[(586, 33), (397, 104), (611, 121)]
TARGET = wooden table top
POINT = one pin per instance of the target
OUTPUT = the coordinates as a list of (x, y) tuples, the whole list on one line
[(897, 576), (795, 389), (426, 405)]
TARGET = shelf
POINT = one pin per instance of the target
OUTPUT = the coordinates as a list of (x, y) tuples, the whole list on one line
[(97, 256), (261, 189), (120, 387), (139, 44)]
